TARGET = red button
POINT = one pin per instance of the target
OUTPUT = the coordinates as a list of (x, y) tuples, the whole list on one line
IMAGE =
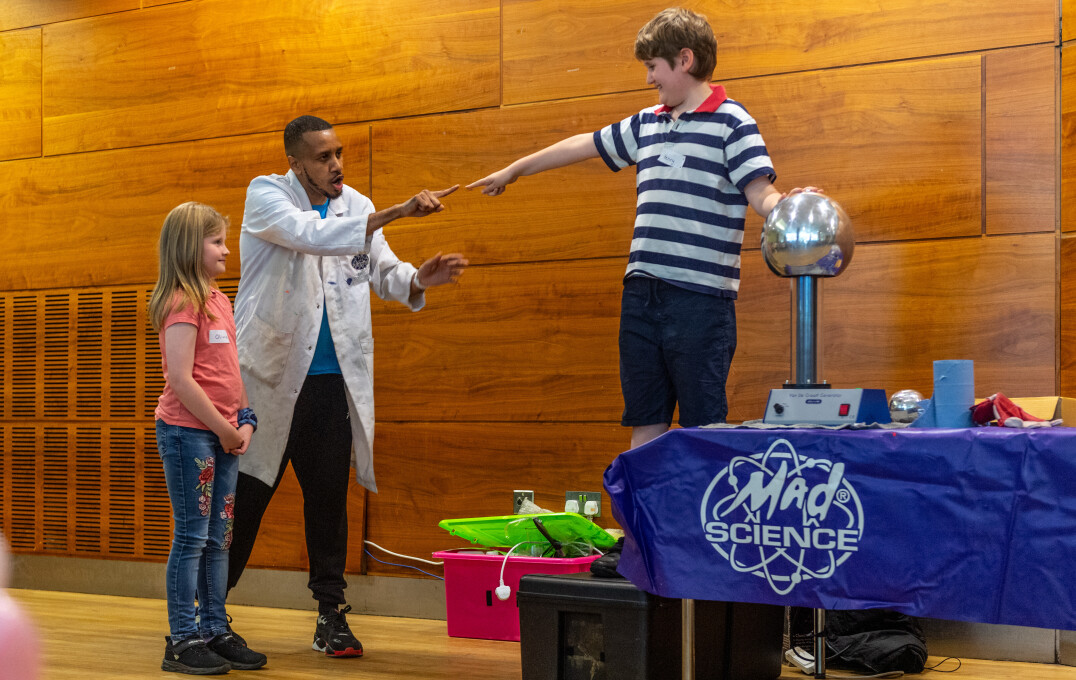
[(844, 410)]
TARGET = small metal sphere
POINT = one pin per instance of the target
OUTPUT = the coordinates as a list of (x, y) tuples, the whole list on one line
[(808, 234), (904, 406)]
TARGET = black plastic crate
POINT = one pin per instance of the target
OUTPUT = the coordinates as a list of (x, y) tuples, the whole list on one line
[(577, 627)]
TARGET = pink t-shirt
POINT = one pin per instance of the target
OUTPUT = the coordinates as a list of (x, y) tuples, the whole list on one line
[(216, 362)]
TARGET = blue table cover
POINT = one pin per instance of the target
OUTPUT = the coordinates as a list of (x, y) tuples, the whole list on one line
[(962, 524)]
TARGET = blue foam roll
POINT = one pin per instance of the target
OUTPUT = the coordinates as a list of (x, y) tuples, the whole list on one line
[(954, 392)]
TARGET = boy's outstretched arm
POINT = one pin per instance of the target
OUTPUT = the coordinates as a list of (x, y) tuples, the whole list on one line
[(565, 152)]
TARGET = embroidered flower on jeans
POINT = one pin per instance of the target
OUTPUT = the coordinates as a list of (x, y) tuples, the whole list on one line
[(205, 483), (228, 513)]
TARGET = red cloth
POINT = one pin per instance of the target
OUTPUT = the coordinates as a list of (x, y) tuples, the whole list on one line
[(1007, 414), (216, 363)]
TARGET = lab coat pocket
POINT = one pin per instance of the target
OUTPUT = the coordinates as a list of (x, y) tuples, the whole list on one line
[(367, 345), (265, 353)]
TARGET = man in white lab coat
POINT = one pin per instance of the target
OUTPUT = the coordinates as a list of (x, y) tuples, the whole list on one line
[(311, 249)]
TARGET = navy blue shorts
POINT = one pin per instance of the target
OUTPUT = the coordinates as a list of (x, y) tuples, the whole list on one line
[(676, 346)]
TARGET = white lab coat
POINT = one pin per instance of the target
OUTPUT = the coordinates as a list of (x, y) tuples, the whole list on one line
[(292, 262)]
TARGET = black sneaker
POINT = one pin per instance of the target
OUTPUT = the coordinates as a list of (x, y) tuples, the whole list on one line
[(193, 657), (238, 637), (235, 652), (334, 637)]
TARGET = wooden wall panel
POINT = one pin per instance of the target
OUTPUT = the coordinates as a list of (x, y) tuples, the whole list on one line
[(20, 94), (992, 300), (112, 204), (539, 342), (509, 343), (575, 212), (1068, 23), (1020, 138), (231, 67), (556, 48), (82, 355), (905, 163), (1068, 317), (428, 472), (1068, 138), (20, 13)]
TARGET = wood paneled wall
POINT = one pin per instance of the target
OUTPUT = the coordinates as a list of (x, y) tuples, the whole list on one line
[(945, 130)]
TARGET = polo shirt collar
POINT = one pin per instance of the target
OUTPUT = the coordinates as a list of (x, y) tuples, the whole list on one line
[(717, 98)]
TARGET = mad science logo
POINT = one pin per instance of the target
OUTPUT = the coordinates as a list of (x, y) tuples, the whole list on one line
[(783, 517)]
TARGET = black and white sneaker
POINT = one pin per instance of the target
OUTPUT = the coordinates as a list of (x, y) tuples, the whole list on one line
[(193, 657), (232, 649), (333, 636)]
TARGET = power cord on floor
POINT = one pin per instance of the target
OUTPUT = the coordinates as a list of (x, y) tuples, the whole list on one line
[(405, 566), (938, 670), (406, 557)]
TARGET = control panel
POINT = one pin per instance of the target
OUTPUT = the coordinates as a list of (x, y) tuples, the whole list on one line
[(826, 406)]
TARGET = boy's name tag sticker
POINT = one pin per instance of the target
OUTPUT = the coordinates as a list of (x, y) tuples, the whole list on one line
[(672, 158), (218, 335)]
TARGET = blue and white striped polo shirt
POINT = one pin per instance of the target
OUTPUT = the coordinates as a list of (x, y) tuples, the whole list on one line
[(690, 177)]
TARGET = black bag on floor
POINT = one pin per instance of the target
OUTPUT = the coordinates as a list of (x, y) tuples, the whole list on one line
[(876, 640)]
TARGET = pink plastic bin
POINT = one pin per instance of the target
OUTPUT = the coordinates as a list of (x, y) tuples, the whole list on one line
[(473, 610)]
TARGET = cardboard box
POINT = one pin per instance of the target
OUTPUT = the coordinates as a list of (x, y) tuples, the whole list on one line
[(1050, 408), (472, 608)]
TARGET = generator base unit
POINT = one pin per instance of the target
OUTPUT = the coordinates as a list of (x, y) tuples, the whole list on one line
[(578, 627)]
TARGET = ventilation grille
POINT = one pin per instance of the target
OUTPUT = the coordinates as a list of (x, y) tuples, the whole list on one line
[(24, 364), (151, 366), (54, 490), (89, 354), (57, 355), (80, 373), (123, 354), (24, 489), (88, 489), (156, 507), (121, 491), (5, 351)]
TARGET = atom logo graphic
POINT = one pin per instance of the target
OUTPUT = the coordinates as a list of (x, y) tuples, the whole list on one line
[(782, 516)]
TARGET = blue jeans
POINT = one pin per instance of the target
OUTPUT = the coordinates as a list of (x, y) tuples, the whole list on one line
[(201, 485)]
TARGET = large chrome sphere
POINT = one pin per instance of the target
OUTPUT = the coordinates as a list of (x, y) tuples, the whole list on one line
[(904, 406), (808, 234)]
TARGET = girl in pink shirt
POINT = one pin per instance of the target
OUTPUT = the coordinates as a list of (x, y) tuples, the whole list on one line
[(203, 425)]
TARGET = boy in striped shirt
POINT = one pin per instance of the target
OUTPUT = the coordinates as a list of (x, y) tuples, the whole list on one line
[(700, 161)]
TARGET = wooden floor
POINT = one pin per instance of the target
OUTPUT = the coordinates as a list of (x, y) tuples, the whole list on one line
[(96, 637)]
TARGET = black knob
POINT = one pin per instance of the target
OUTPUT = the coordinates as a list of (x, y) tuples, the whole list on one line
[(778, 408)]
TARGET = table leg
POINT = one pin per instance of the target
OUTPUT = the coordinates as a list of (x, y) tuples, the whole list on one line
[(687, 639), (820, 643)]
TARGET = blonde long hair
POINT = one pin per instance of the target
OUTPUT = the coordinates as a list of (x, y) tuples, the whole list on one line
[(179, 260)]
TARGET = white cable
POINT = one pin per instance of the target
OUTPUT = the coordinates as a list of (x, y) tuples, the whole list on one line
[(502, 591), (509, 554), (406, 557)]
